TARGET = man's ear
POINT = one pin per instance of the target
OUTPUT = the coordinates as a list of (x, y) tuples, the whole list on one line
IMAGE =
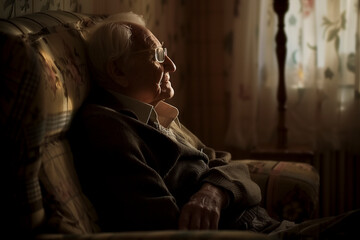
[(117, 74)]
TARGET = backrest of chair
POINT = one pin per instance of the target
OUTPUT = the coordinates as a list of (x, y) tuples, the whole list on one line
[(44, 80)]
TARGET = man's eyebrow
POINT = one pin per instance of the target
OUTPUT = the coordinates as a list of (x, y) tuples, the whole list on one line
[(154, 45)]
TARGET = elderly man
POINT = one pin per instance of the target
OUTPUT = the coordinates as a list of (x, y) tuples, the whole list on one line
[(139, 166), (144, 170)]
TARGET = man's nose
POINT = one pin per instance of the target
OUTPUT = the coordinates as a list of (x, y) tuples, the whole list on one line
[(169, 65)]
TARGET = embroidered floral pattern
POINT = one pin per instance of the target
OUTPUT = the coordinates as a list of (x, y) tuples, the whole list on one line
[(50, 74), (307, 7)]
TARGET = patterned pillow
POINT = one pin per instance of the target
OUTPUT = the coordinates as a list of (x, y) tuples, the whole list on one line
[(290, 190), (20, 84), (44, 80), (68, 209), (61, 51)]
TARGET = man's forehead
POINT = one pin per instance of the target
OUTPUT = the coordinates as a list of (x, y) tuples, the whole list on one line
[(143, 36)]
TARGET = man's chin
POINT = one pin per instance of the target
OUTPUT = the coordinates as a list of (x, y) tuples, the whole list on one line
[(169, 93), (165, 94)]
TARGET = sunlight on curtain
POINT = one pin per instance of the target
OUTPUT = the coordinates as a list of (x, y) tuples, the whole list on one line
[(322, 77), (254, 76), (322, 72), (323, 96), (322, 84)]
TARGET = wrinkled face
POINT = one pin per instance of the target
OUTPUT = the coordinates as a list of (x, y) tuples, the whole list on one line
[(148, 79)]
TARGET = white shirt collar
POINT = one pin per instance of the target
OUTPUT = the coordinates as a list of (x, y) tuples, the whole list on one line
[(163, 113)]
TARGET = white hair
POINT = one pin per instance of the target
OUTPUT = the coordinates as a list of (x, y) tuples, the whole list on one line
[(110, 40)]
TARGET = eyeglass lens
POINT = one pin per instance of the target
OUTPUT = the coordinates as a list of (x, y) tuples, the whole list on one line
[(160, 54)]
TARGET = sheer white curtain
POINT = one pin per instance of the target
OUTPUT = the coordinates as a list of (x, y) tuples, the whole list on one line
[(322, 75), (323, 85), (254, 76)]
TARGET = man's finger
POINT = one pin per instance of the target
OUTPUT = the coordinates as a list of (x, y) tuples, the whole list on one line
[(184, 220)]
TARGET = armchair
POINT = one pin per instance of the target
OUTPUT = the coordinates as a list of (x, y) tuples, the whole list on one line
[(44, 81)]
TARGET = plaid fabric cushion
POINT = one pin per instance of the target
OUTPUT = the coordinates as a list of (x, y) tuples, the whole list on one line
[(66, 83), (44, 80), (20, 93), (68, 208), (290, 190)]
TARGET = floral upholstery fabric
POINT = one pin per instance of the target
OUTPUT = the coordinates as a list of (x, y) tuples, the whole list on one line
[(20, 145), (290, 190), (44, 80)]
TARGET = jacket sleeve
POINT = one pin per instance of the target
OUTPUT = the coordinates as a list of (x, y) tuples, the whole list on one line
[(111, 163), (232, 176), (235, 178)]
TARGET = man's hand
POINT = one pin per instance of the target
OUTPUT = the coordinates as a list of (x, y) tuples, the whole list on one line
[(203, 209)]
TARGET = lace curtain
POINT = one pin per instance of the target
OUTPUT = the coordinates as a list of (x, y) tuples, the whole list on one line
[(322, 75)]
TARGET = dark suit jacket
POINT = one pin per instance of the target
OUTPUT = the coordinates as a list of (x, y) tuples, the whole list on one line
[(137, 177)]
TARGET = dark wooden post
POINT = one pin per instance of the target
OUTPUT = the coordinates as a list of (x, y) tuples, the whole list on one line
[(282, 151), (281, 7)]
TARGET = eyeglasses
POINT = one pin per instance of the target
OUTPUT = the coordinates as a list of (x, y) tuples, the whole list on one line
[(160, 53)]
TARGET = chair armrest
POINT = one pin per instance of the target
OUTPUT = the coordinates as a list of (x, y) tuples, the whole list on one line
[(290, 190), (161, 235)]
